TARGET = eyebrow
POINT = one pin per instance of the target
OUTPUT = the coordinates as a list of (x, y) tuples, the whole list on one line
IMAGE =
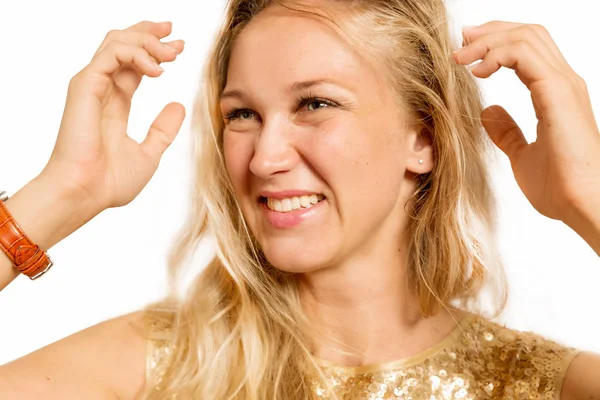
[(295, 87)]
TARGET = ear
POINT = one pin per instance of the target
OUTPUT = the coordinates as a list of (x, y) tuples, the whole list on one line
[(419, 147)]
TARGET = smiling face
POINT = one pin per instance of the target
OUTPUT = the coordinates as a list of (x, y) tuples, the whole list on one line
[(313, 144)]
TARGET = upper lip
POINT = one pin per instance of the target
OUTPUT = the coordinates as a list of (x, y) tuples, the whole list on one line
[(286, 193)]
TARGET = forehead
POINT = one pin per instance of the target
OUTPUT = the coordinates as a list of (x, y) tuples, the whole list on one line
[(281, 46)]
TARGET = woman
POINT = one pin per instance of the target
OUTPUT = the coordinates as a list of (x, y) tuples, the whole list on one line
[(344, 181)]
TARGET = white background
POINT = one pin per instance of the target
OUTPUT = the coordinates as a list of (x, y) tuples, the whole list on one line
[(116, 263)]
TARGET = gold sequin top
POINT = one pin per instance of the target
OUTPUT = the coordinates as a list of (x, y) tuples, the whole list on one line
[(479, 359)]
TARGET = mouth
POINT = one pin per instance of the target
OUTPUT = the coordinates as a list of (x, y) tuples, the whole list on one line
[(289, 204)]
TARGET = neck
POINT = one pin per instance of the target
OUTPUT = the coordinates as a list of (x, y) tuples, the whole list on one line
[(368, 308)]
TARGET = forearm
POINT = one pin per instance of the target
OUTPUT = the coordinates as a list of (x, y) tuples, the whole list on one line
[(585, 221), (47, 214)]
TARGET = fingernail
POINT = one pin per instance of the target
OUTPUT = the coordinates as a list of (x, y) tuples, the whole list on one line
[(170, 48), (155, 65), (476, 64)]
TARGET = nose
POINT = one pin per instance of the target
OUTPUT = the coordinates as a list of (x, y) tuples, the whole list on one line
[(273, 150)]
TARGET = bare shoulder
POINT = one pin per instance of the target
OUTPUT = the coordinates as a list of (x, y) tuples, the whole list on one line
[(105, 361), (582, 380)]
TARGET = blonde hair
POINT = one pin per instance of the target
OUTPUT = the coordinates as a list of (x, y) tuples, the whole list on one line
[(240, 331)]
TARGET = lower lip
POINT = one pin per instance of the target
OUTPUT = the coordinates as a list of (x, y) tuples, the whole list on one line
[(290, 219)]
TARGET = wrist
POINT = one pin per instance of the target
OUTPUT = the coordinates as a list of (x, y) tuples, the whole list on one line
[(584, 218), (48, 213)]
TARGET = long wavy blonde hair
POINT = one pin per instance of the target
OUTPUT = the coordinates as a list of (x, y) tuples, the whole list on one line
[(239, 330)]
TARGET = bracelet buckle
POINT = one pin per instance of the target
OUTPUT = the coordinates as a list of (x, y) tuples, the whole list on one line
[(50, 264)]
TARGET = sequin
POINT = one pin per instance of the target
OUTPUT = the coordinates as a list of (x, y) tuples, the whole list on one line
[(479, 360)]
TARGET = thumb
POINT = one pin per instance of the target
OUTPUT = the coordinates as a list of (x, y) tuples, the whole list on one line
[(504, 131), (163, 130)]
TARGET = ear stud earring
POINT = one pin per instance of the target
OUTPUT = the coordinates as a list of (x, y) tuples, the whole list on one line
[(420, 161)]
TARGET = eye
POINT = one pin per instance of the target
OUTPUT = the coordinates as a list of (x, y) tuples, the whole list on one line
[(314, 103), (243, 114)]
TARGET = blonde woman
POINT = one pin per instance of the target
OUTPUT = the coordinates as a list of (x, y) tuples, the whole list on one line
[(344, 180)]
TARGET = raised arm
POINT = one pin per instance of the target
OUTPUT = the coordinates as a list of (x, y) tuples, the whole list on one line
[(95, 165), (559, 172)]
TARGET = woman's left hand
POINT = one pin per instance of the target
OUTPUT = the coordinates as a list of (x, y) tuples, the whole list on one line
[(561, 169)]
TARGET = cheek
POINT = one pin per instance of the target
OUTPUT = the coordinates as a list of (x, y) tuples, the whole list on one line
[(357, 157), (354, 147), (339, 154), (335, 142)]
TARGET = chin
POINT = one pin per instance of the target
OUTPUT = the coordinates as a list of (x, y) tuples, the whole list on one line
[(296, 259)]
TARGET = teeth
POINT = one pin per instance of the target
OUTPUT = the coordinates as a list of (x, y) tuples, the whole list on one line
[(293, 203), (304, 201)]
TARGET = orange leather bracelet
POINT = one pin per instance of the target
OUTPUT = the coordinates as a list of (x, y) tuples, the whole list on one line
[(26, 256)]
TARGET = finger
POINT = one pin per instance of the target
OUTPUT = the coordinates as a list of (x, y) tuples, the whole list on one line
[(477, 49), (163, 130), (131, 63), (123, 65), (158, 30), (504, 132), (129, 79), (495, 26), (520, 56), (118, 53), (160, 51)]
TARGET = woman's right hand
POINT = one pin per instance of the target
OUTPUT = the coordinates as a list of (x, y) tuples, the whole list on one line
[(94, 157)]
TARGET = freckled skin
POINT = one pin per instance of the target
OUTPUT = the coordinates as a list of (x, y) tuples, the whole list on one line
[(355, 154)]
